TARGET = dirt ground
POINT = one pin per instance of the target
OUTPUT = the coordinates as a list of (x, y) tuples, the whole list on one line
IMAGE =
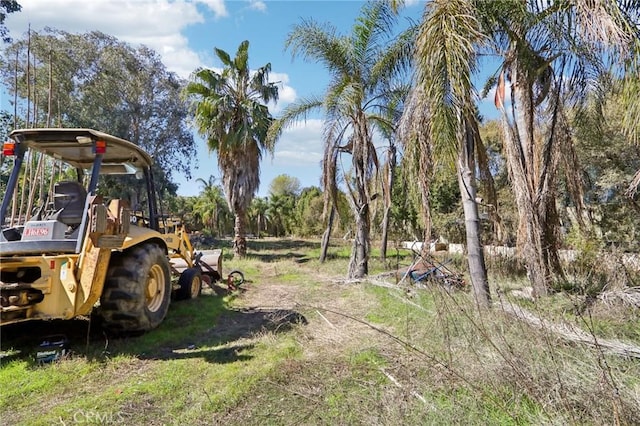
[(257, 308), (325, 313)]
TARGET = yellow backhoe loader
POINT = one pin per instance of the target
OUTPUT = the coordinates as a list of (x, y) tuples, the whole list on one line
[(68, 251)]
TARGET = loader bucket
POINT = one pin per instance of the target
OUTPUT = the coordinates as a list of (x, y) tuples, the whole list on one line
[(209, 262)]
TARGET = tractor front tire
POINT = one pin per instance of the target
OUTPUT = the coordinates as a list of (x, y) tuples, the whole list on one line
[(137, 290), (190, 283)]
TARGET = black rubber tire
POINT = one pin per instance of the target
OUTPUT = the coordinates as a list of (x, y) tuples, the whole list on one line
[(137, 290), (235, 279), (190, 283)]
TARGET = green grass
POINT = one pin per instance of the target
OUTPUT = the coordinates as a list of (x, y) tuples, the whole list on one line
[(367, 355), (186, 384)]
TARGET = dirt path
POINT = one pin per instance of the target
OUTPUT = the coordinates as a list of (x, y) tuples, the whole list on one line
[(324, 311)]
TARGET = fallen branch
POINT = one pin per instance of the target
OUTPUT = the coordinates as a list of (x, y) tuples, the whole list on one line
[(381, 283), (628, 297), (572, 333), (397, 383), (325, 318), (347, 280)]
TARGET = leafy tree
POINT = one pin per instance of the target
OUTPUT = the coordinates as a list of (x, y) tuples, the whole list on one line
[(406, 221), (6, 123), (211, 206), (93, 80), (183, 208), (361, 65), (308, 212), (609, 162), (631, 112), (258, 215), (445, 201), (284, 185), (7, 6), (280, 213), (229, 110)]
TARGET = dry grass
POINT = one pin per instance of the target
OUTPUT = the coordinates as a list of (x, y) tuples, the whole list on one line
[(302, 346)]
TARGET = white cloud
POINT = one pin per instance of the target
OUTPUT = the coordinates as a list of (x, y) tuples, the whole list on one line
[(301, 144), (160, 25), (124, 18), (276, 77), (217, 6), (286, 93), (155, 23), (257, 5)]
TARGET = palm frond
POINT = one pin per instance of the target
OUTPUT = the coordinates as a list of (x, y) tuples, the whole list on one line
[(446, 56), (604, 23), (293, 113), (414, 135), (375, 21), (630, 91), (397, 57), (319, 43), (229, 110), (224, 57), (241, 61), (261, 88)]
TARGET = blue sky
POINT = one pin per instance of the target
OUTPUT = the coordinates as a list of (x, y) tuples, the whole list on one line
[(185, 32)]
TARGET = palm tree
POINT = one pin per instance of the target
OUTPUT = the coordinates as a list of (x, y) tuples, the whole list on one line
[(361, 65), (418, 161), (440, 121), (544, 46), (280, 213), (230, 112), (210, 204), (553, 53), (258, 214), (394, 113)]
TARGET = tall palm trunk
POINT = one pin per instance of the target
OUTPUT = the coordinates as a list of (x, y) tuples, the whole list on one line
[(239, 240), (530, 222), (359, 264), (326, 235), (387, 188), (466, 179), (330, 197), (259, 225), (533, 168), (385, 233), (359, 261)]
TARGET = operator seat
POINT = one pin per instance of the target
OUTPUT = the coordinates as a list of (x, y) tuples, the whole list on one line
[(69, 198)]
